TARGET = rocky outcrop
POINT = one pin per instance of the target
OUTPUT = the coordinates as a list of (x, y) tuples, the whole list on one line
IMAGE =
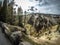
[(41, 22), (13, 33)]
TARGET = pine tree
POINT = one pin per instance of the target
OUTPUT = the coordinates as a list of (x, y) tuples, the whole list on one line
[(4, 11), (20, 11)]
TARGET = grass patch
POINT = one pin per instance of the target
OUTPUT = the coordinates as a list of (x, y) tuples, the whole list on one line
[(26, 38)]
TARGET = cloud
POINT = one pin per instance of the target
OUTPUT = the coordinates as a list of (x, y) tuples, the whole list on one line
[(49, 6), (46, 6)]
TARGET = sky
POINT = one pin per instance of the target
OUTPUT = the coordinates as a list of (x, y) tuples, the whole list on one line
[(46, 6), (25, 4)]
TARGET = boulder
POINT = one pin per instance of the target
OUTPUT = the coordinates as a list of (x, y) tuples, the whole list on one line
[(16, 37)]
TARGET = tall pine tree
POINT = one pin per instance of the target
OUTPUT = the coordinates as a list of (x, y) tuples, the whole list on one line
[(4, 11)]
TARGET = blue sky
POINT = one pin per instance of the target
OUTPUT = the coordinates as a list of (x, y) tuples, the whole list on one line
[(46, 6)]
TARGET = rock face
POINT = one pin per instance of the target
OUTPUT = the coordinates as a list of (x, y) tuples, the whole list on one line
[(16, 37), (13, 33), (41, 22), (3, 39), (2, 26), (41, 27)]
